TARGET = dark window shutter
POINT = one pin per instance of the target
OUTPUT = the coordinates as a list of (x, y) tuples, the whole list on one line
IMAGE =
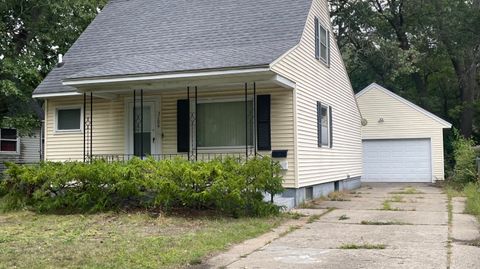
[(317, 40), (264, 140), (328, 47), (183, 126), (330, 122), (319, 124)]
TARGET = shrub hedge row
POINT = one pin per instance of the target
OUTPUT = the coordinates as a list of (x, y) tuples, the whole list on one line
[(229, 185)]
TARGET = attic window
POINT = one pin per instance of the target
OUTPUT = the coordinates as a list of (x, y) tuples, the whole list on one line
[(322, 42)]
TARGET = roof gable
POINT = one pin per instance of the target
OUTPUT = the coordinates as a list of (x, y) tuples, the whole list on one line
[(375, 86), (131, 37)]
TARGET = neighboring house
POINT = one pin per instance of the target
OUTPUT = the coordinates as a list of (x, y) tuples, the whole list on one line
[(25, 149), (402, 142), (203, 79)]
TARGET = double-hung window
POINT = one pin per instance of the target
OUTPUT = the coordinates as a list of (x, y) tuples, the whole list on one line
[(322, 42), (8, 141), (224, 124), (324, 125), (69, 119)]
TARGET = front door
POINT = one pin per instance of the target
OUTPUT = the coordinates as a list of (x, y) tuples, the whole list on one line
[(142, 138)]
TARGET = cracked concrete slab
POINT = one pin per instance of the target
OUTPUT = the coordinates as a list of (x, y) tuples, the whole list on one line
[(458, 205), (393, 236), (465, 227), (412, 217), (349, 205), (309, 211), (288, 257), (464, 256), (421, 206), (422, 243)]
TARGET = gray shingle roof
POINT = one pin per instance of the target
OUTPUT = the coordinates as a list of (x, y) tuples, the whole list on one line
[(131, 37)]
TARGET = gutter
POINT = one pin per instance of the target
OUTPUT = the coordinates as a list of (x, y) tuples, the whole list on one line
[(177, 75)]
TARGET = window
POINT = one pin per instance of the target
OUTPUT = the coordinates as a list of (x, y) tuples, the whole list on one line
[(8, 141), (69, 119), (322, 42), (222, 124), (324, 125)]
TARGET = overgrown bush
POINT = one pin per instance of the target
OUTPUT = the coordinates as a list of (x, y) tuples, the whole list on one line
[(465, 169), (229, 186)]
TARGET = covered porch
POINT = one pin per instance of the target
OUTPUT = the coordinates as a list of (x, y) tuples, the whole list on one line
[(196, 117)]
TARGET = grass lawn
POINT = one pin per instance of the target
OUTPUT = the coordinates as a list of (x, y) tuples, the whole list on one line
[(472, 206), (472, 192), (116, 240)]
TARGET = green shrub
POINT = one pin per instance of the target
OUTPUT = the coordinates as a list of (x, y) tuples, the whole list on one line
[(229, 186), (465, 169)]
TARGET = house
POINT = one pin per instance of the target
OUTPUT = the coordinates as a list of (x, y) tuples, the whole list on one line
[(402, 142), (204, 79), (26, 149)]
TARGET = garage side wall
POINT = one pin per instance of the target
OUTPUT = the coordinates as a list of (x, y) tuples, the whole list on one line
[(400, 121)]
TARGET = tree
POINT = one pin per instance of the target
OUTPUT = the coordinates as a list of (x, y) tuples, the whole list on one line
[(34, 32), (426, 51), (457, 27)]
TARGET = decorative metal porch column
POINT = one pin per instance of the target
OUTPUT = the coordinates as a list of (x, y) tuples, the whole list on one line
[(196, 125), (255, 118), (134, 117), (87, 129), (246, 121), (138, 125), (254, 121), (190, 116)]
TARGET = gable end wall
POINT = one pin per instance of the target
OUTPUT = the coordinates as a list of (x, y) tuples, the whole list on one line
[(329, 85), (401, 122)]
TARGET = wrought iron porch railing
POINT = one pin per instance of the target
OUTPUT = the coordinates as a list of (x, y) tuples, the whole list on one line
[(205, 157)]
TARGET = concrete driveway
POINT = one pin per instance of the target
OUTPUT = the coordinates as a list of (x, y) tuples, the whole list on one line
[(377, 226)]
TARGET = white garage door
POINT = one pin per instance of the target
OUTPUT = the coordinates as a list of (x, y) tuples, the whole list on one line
[(400, 160)]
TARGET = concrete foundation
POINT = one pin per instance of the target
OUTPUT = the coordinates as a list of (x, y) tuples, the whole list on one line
[(300, 195)]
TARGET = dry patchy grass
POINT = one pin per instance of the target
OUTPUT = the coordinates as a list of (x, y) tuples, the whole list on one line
[(393, 222), (363, 246), (117, 240), (338, 196)]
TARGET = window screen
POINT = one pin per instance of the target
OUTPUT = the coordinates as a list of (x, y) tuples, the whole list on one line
[(222, 124), (68, 119)]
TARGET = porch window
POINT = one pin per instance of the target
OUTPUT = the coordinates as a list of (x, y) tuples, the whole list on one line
[(222, 124), (69, 119), (8, 141)]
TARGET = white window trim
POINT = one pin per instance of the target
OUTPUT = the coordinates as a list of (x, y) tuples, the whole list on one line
[(220, 149), (321, 26), (73, 131), (327, 145), (17, 152)]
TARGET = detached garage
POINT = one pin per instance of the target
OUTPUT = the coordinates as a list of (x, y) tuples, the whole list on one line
[(402, 142)]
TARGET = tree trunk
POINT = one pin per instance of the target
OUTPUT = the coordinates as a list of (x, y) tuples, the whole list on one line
[(466, 71)]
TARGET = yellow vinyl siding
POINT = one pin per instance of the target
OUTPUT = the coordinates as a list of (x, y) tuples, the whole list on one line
[(109, 125), (400, 122), (108, 129), (331, 86)]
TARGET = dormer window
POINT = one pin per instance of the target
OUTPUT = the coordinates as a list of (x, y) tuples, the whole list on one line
[(322, 42)]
